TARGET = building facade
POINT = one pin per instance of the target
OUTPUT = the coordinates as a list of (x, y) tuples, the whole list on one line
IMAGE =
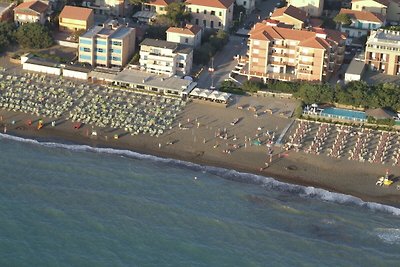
[(163, 57), (213, 14), (74, 18), (249, 5), (289, 54), (189, 35), (362, 22), (110, 45), (382, 51), (30, 12), (313, 8)]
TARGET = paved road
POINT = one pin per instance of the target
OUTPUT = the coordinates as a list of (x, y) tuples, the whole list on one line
[(223, 60)]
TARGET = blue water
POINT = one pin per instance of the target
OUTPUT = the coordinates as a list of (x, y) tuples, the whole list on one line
[(63, 205), (344, 114)]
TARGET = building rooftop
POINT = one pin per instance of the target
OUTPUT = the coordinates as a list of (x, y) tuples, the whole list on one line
[(33, 6), (382, 2), (384, 36), (160, 2), (108, 31), (363, 15), (150, 79), (187, 30), (212, 3), (290, 11), (315, 38), (176, 47), (356, 66), (76, 13)]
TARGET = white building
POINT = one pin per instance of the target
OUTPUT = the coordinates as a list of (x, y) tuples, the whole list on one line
[(163, 57), (189, 35), (30, 12)]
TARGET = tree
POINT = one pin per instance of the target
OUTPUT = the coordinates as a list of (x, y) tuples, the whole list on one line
[(251, 86), (6, 34), (33, 35), (177, 13), (343, 19)]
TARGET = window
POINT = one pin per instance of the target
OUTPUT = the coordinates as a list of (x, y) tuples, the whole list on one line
[(219, 24), (204, 23), (244, 3), (115, 50), (100, 50), (117, 43), (220, 13), (116, 58), (139, 86), (197, 21), (161, 8), (180, 65), (213, 13), (84, 49), (187, 40), (205, 11), (101, 58), (212, 24), (197, 11)]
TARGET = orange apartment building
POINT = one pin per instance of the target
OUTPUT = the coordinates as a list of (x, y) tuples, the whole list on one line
[(287, 54)]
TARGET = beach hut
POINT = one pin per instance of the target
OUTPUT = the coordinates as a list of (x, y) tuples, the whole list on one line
[(205, 93), (224, 97), (195, 93), (214, 95)]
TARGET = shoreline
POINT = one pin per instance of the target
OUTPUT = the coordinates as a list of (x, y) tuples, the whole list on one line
[(305, 173)]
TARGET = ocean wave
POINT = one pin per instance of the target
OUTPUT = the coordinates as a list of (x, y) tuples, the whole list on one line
[(388, 235), (267, 182)]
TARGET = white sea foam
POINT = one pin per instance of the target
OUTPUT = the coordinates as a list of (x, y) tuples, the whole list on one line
[(388, 235), (268, 182)]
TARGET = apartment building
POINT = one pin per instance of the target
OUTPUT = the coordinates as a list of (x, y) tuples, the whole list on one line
[(388, 8), (189, 35), (163, 57), (382, 51), (110, 45), (213, 14), (361, 23), (290, 15), (73, 18), (313, 8), (30, 12), (289, 54)]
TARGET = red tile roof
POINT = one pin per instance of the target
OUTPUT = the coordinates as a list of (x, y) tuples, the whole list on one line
[(363, 15), (188, 29), (160, 2), (212, 3), (312, 39), (33, 6), (76, 13), (290, 11)]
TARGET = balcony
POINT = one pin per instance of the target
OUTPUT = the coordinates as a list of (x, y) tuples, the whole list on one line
[(304, 71), (306, 63), (278, 63), (278, 54), (274, 76)]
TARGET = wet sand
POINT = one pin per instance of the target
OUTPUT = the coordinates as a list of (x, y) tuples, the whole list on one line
[(196, 141)]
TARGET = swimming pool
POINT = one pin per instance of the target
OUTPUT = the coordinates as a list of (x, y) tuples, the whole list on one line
[(344, 114)]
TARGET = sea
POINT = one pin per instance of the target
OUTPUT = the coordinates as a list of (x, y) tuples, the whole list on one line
[(73, 205)]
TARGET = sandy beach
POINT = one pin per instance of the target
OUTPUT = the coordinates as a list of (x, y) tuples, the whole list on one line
[(203, 134)]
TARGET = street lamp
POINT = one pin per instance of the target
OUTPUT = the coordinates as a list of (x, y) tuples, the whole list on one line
[(240, 16)]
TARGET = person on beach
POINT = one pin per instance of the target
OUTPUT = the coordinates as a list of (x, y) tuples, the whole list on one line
[(5, 129)]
